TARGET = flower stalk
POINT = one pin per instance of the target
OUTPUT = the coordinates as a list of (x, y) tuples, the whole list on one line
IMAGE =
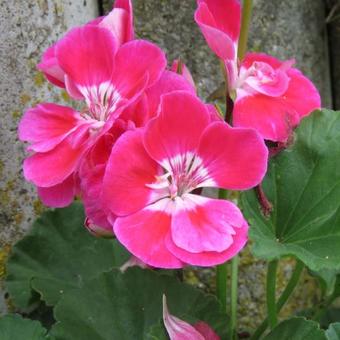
[(245, 23), (292, 283), (271, 293)]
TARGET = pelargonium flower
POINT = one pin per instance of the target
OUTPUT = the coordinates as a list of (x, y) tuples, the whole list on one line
[(152, 173), (181, 330), (108, 78), (272, 96), (119, 22)]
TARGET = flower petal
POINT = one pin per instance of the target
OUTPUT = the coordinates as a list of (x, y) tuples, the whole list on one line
[(206, 331), (201, 224), (46, 125), (168, 82), (211, 258), (53, 167), (129, 170), (60, 195), (299, 85), (177, 128), (50, 67), (269, 116), (143, 234), (136, 60), (120, 21), (234, 158), (177, 328), (86, 54), (220, 21)]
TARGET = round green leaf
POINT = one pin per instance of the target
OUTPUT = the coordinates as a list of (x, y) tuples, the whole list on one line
[(57, 255), (297, 329), (14, 327), (333, 331), (126, 306), (303, 184)]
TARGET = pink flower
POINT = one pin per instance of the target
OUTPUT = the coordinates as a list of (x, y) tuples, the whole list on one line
[(272, 96), (119, 22), (108, 78), (181, 330), (152, 171)]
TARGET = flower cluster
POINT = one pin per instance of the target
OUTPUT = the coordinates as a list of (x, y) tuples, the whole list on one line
[(144, 144)]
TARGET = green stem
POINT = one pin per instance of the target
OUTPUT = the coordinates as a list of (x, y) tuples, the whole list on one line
[(271, 292), (246, 17), (292, 283), (233, 297)]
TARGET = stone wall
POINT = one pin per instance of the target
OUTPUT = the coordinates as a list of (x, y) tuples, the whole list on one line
[(27, 28)]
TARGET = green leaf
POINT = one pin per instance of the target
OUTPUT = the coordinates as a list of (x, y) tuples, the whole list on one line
[(333, 331), (57, 255), (125, 306), (303, 184), (14, 327), (296, 329)]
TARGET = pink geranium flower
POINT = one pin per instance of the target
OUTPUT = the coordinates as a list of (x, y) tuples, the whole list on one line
[(181, 330), (152, 173), (108, 78), (119, 22), (272, 96)]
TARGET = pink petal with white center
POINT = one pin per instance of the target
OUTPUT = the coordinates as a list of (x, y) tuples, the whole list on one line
[(134, 61), (60, 195), (168, 82), (207, 332), (120, 21), (201, 224), (86, 55), (53, 167), (176, 131), (181, 68), (143, 234), (177, 328), (235, 158), (129, 172), (46, 125), (220, 21), (50, 67)]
